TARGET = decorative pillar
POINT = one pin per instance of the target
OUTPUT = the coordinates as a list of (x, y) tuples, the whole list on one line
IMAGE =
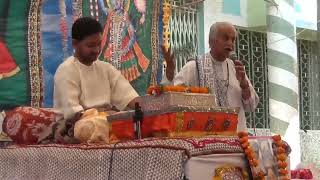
[(283, 74)]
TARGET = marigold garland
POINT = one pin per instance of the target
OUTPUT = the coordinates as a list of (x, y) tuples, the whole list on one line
[(253, 161), (281, 157), (258, 174), (157, 90)]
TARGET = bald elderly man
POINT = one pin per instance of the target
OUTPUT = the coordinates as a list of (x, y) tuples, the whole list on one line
[(225, 78)]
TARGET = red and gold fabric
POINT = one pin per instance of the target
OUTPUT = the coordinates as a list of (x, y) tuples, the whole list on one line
[(8, 67), (27, 125), (230, 172), (179, 124)]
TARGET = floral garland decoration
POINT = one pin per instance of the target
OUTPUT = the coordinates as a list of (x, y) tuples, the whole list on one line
[(281, 157), (157, 90), (258, 173)]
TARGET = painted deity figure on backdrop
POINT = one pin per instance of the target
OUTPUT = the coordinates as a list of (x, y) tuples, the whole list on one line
[(8, 66), (119, 42)]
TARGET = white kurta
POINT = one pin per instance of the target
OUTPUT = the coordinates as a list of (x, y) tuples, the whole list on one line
[(78, 87), (189, 76)]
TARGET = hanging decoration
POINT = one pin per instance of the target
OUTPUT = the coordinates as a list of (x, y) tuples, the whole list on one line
[(63, 27), (281, 157), (257, 173), (166, 20)]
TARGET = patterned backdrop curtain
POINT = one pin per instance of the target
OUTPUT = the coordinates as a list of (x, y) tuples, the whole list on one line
[(131, 37), (35, 37), (14, 22)]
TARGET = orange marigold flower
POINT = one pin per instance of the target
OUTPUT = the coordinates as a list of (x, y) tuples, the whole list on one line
[(280, 150), (276, 137), (282, 164), (250, 155), (281, 157), (171, 88), (283, 171), (194, 89), (248, 151), (279, 143), (150, 89), (180, 88), (242, 134), (166, 88), (245, 145), (250, 162), (204, 90), (255, 162), (244, 139), (284, 178), (156, 90)]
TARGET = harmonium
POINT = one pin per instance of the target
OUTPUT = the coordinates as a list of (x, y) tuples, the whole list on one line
[(174, 114)]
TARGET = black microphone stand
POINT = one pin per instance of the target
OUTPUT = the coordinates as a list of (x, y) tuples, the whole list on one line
[(137, 120)]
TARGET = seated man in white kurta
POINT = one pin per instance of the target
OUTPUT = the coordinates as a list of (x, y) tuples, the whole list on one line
[(225, 78), (82, 81)]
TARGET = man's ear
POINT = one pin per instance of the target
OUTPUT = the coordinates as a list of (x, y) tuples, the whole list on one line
[(211, 43), (75, 43)]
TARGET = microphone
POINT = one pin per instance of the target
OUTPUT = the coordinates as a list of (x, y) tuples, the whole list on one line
[(233, 56), (137, 120)]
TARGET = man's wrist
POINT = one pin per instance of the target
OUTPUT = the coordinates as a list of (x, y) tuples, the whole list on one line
[(246, 93), (244, 84)]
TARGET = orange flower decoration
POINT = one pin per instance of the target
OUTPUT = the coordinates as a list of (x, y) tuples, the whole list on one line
[(181, 89), (194, 89), (243, 139), (282, 164), (285, 178), (248, 151), (276, 138), (150, 89), (283, 171), (242, 134), (251, 156), (281, 150), (281, 157), (166, 88), (156, 90), (253, 162), (279, 143), (204, 90), (245, 145)]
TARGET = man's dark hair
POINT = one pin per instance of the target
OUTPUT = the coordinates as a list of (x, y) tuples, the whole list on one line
[(84, 27)]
